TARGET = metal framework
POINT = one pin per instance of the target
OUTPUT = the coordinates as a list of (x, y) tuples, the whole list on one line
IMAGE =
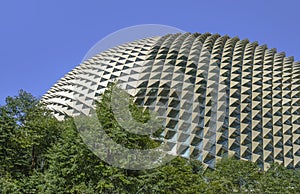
[(217, 95)]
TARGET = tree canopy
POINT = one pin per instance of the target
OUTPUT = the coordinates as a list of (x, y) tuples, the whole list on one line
[(39, 154)]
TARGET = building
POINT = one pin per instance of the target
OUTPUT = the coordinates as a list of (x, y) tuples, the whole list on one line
[(217, 95)]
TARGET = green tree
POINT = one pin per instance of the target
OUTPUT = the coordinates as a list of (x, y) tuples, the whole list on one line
[(26, 130), (278, 179), (39, 154), (231, 175)]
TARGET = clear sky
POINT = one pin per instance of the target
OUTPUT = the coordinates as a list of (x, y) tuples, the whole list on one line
[(42, 40)]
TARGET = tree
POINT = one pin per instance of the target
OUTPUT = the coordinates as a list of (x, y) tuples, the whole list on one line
[(232, 175), (39, 154), (34, 136), (278, 179), (27, 130)]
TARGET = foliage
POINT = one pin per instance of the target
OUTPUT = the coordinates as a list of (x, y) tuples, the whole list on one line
[(226, 178), (27, 130), (278, 178), (39, 154)]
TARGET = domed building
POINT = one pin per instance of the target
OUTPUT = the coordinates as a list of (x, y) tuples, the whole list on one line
[(217, 95)]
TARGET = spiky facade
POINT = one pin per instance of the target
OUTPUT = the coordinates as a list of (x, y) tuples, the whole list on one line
[(217, 95)]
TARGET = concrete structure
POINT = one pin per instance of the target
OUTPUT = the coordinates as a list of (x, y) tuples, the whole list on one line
[(217, 95)]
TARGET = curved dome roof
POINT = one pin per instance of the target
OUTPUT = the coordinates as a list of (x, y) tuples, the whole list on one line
[(220, 95)]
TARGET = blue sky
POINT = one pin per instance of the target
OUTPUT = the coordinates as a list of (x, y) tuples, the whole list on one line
[(42, 40)]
